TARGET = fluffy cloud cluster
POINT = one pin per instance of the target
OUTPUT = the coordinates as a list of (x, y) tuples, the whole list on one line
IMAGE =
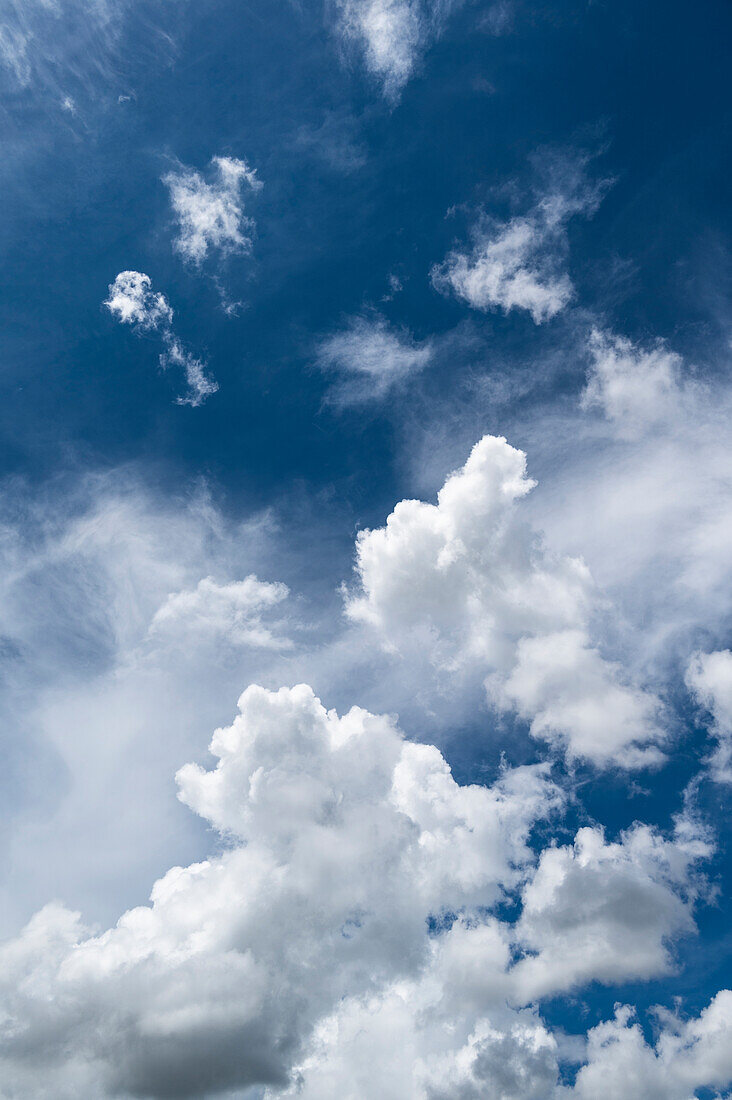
[(519, 264), (210, 214), (710, 678), (345, 838), (370, 358), (349, 916), (606, 912), (689, 1055), (467, 581), (133, 302), (393, 34)]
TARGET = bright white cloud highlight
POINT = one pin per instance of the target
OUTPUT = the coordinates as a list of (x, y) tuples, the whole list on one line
[(342, 943), (468, 582), (210, 213), (370, 358), (133, 302)]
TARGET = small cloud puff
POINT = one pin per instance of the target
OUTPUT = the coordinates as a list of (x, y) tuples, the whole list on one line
[(518, 264), (133, 302), (211, 214), (370, 358), (232, 611), (393, 34)]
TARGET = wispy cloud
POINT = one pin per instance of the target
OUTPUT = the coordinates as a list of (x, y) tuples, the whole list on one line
[(709, 676), (520, 263), (370, 357), (635, 388), (393, 34), (210, 212), (133, 302)]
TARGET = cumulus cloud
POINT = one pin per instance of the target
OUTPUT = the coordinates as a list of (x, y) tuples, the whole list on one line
[(688, 1055), (343, 840), (519, 264), (606, 912), (210, 213), (401, 1044), (370, 358), (344, 941), (633, 388), (709, 676), (468, 582), (393, 34), (133, 302)]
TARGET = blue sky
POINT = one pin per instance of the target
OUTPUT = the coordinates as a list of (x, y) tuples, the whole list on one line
[(382, 346)]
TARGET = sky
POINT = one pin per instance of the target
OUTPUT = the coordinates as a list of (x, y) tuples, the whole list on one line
[(365, 522)]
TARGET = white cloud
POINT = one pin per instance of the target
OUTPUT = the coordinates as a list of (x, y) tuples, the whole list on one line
[(211, 215), (112, 681), (340, 940), (370, 358), (469, 583), (519, 264), (605, 912), (632, 387), (401, 1044), (133, 302), (393, 34), (709, 676), (567, 690), (459, 1030), (345, 838), (688, 1055), (643, 494), (49, 43), (233, 611), (507, 268), (200, 385)]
